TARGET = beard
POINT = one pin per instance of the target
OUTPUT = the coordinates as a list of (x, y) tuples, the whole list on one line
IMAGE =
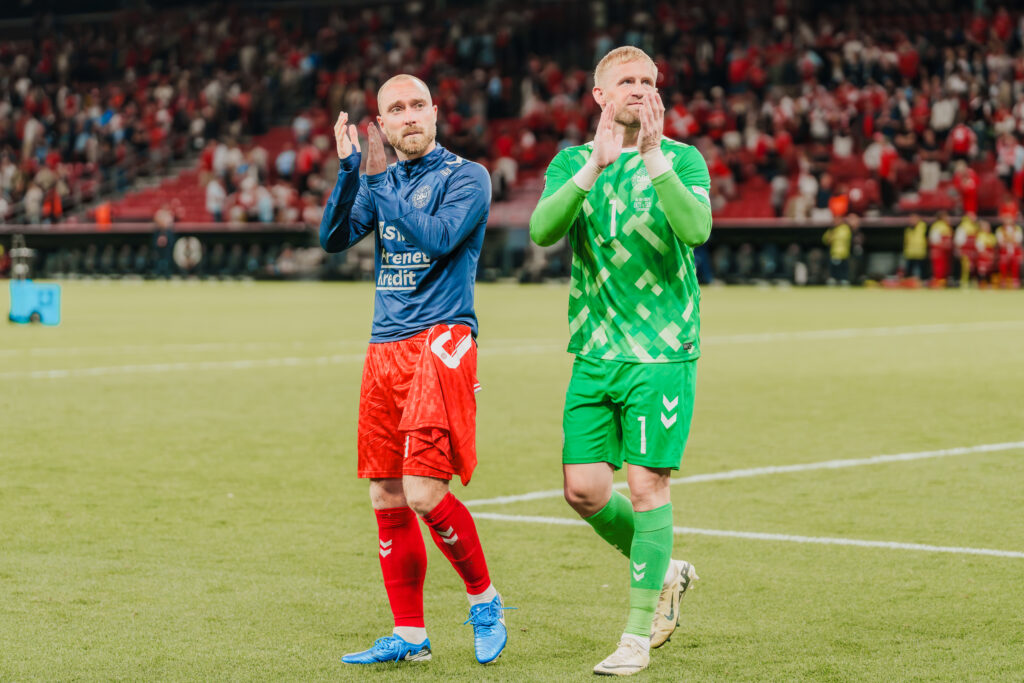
[(628, 118), (413, 146)]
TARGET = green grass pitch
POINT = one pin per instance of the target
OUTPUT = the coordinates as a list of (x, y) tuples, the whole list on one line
[(178, 499)]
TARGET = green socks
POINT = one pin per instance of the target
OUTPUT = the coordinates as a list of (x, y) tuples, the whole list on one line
[(650, 553), (646, 539), (614, 523)]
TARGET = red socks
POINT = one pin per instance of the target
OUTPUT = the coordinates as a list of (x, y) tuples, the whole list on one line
[(403, 557), (403, 560), (454, 532)]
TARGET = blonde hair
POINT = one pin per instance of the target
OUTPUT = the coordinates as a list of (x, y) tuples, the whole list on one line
[(621, 55)]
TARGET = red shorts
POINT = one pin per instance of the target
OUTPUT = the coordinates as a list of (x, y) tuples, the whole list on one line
[(417, 406)]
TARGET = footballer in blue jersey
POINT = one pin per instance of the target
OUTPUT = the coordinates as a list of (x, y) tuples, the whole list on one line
[(417, 408)]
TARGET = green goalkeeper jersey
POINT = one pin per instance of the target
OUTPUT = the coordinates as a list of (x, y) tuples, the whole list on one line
[(634, 295)]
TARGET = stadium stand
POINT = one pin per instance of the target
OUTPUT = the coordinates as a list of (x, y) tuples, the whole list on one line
[(844, 90), (801, 109), (87, 105)]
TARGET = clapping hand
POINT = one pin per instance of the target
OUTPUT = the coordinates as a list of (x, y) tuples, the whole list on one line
[(345, 137), (607, 145), (376, 159), (652, 122)]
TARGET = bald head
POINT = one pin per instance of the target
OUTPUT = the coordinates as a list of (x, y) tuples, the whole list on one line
[(386, 92)]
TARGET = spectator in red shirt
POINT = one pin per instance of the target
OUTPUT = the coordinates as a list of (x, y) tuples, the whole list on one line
[(305, 163), (1011, 251), (966, 183), (963, 143), (908, 61), (882, 156)]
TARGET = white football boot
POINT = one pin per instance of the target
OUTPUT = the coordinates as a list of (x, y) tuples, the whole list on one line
[(678, 579), (628, 659)]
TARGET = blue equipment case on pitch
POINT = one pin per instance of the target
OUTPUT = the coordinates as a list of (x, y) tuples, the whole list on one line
[(30, 302)]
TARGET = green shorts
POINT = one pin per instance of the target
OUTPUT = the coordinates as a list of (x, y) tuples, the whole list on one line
[(634, 412)]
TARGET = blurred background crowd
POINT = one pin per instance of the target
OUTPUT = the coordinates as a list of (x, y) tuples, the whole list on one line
[(803, 110)]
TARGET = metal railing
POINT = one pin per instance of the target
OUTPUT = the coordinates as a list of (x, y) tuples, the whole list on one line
[(120, 181)]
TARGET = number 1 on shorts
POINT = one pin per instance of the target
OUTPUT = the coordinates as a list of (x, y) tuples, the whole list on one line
[(643, 434)]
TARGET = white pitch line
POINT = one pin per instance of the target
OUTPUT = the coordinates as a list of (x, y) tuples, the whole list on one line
[(852, 332), (789, 538), (110, 350), (779, 469), (158, 348), (538, 346), (155, 368), (240, 364)]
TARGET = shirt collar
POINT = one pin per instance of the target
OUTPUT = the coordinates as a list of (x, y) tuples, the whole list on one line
[(413, 167)]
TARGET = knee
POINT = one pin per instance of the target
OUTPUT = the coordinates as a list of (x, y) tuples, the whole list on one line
[(584, 500), (421, 504), (386, 494), (423, 499), (643, 500), (650, 496)]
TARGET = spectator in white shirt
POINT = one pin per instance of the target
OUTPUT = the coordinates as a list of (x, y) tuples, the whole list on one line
[(215, 196)]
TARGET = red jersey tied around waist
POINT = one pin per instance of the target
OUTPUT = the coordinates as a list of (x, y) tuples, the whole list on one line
[(417, 407)]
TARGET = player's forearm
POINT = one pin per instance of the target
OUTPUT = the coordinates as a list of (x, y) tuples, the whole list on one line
[(337, 233), (688, 218), (555, 214), (437, 235)]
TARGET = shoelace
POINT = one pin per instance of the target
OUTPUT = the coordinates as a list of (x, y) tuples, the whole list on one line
[(633, 648), (476, 616), (387, 644)]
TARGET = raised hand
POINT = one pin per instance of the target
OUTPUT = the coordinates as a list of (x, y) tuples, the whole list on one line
[(652, 122), (376, 159), (345, 137), (607, 145)]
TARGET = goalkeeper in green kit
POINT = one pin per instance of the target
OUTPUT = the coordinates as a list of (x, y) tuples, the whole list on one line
[(634, 204)]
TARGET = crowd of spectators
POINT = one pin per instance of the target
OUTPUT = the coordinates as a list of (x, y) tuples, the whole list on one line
[(87, 103), (483, 72), (828, 107), (822, 108), (287, 183)]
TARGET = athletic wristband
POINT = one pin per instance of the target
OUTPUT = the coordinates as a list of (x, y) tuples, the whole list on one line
[(587, 176), (656, 162)]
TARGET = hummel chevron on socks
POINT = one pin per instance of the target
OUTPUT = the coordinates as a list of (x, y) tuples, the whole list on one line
[(614, 522), (454, 532), (403, 560), (648, 562)]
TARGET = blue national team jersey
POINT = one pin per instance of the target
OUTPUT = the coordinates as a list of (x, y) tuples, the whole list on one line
[(428, 217)]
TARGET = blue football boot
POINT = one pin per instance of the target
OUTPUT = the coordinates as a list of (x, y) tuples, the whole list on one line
[(489, 632), (391, 648)]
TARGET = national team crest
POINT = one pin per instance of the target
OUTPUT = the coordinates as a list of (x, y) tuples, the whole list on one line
[(641, 180), (421, 196)]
